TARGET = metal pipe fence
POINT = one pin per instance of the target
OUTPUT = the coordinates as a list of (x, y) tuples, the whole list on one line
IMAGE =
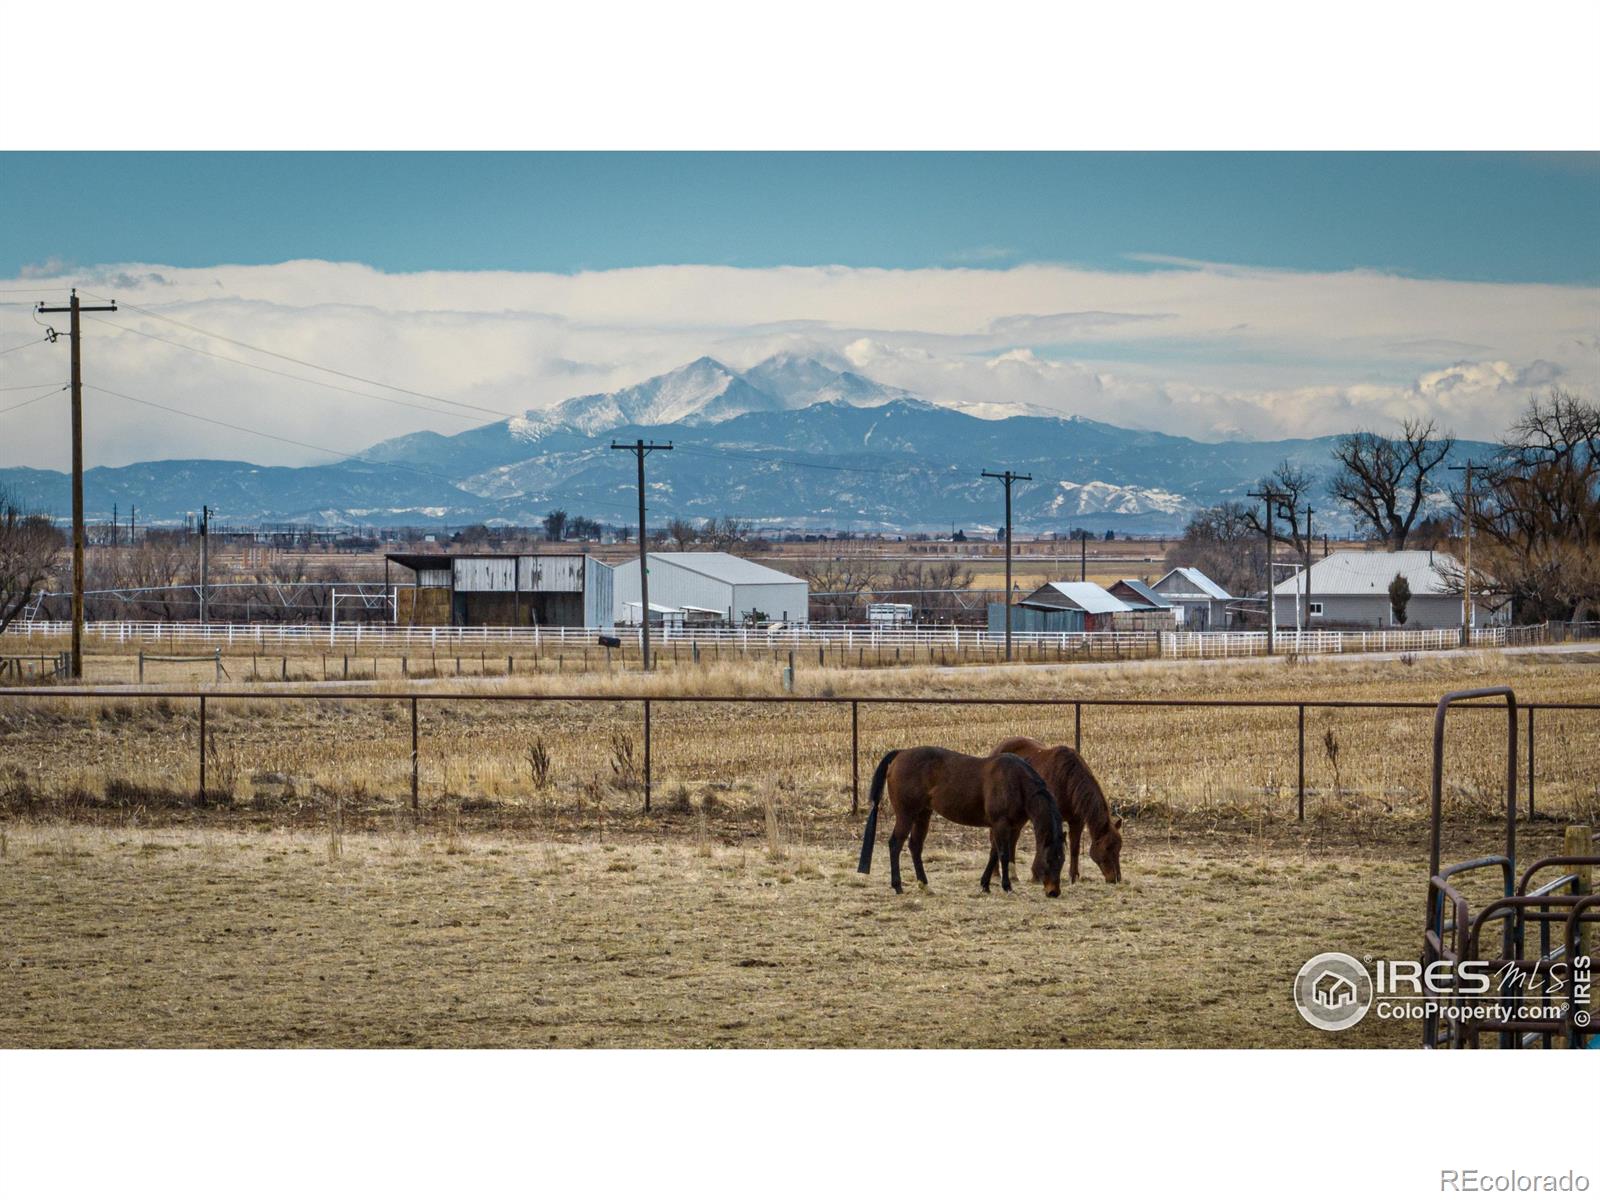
[(854, 703)]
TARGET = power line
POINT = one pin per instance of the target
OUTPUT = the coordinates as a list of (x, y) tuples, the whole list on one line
[(303, 379), (42, 395), (301, 362), (24, 345), (341, 454), (22, 387)]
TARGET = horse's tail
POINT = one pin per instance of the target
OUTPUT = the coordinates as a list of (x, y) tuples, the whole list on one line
[(870, 834)]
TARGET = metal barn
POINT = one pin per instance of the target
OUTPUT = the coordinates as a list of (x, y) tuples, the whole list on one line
[(505, 589), (719, 586)]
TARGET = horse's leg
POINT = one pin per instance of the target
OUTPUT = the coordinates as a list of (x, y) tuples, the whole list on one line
[(1007, 839), (994, 858), (919, 834), (902, 827), (1075, 829)]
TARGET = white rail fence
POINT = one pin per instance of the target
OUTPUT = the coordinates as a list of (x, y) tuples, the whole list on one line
[(246, 639), (371, 637)]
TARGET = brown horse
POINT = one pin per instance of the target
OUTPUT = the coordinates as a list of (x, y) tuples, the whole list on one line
[(1082, 802), (1001, 792)]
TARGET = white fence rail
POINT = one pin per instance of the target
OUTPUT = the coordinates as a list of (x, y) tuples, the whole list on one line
[(1235, 645), (246, 639)]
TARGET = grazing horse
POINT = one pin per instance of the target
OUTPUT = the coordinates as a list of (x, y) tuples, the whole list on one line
[(1001, 792), (1082, 802)]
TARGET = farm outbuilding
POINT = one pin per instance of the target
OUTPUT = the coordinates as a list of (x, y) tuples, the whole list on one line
[(711, 586), (505, 589), (1198, 602), (1064, 608), (1350, 589)]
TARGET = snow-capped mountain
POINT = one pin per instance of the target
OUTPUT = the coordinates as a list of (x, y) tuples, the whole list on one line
[(793, 440)]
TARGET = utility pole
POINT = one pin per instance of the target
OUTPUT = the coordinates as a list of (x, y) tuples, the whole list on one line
[(1309, 511), (639, 449), (1007, 478), (1083, 556), (113, 526), (77, 470), (1466, 565), (1269, 498), (133, 510), (205, 557)]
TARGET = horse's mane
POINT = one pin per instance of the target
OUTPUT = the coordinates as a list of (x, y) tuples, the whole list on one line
[(1079, 791), (1042, 790)]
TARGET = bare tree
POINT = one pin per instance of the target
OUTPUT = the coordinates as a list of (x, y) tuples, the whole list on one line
[(841, 585), (1225, 543), (1536, 510), (555, 524), (681, 532), (1386, 479), (30, 552), (933, 588), (1294, 484)]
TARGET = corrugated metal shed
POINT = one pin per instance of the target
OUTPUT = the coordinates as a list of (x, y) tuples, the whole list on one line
[(485, 574), (550, 572), (725, 568), (599, 593), (1137, 594), (1036, 620), (1190, 581), (1086, 597), (1369, 573), (719, 583)]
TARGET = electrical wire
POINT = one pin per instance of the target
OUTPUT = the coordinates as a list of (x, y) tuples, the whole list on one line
[(304, 379), (42, 395), (24, 345), (22, 387), (299, 361), (343, 455)]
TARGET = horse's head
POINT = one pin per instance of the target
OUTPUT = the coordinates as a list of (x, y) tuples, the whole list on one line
[(1051, 854), (1106, 850)]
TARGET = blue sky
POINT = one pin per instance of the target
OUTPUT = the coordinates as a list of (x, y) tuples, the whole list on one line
[(1503, 218), (1214, 296)]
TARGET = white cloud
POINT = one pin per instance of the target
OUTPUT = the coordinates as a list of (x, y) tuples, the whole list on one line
[(1203, 350)]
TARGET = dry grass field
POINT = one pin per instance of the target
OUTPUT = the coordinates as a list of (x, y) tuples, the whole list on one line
[(132, 937), (530, 901)]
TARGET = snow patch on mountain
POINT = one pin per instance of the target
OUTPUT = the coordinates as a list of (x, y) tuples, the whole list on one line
[(1096, 496)]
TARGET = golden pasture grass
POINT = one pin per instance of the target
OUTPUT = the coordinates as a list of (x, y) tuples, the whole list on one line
[(176, 937), (136, 760)]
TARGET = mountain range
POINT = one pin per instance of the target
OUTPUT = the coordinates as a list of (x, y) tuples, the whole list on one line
[(795, 441)]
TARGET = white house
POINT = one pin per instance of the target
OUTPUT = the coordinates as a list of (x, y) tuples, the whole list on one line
[(1350, 589), (710, 585)]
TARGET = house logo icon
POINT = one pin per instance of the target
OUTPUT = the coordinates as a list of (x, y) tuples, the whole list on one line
[(1333, 991)]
